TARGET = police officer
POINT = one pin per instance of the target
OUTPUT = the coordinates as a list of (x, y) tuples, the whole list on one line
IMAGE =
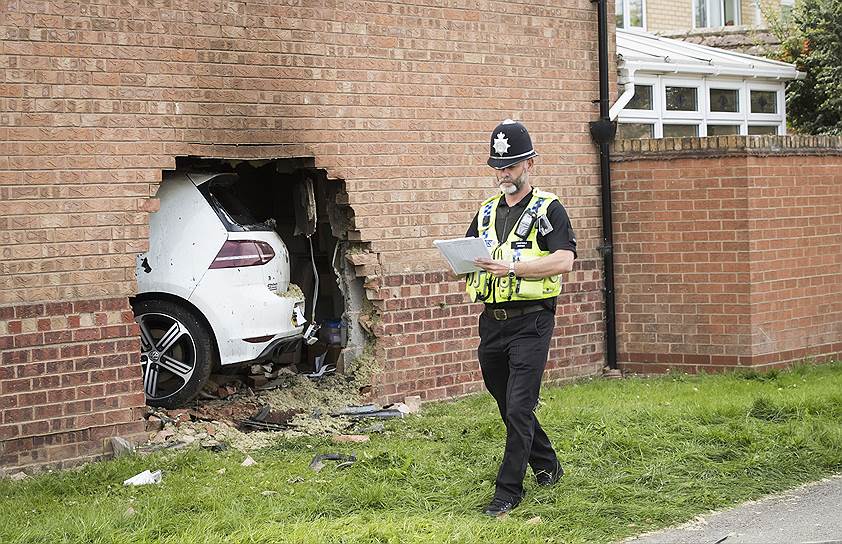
[(528, 234)]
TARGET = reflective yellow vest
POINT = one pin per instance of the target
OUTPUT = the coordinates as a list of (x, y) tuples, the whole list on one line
[(485, 287)]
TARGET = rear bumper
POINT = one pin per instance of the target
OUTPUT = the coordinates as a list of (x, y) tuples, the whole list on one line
[(277, 347)]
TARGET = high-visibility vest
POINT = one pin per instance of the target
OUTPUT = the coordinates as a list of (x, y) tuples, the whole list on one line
[(485, 287)]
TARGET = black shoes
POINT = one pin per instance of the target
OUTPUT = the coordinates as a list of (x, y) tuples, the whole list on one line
[(546, 478), (499, 506)]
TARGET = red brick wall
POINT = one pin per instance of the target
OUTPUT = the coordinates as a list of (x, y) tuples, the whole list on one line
[(728, 252), (428, 335), (796, 256), (395, 98), (69, 380)]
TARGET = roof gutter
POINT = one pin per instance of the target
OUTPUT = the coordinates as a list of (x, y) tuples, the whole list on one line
[(710, 69), (603, 132)]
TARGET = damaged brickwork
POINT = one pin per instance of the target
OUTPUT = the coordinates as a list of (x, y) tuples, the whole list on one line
[(394, 98)]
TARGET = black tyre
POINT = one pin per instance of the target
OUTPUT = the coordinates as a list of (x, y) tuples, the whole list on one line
[(177, 352)]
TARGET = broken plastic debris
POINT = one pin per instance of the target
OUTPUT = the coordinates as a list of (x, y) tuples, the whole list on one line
[(248, 461), (320, 368), (144, 478), (357, 409), (370, 410), (298, 316), (401, 407), (318, 464)]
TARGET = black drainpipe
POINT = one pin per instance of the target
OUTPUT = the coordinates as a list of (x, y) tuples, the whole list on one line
[(602, 132)]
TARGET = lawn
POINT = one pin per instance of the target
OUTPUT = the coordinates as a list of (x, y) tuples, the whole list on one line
[(639, 454)]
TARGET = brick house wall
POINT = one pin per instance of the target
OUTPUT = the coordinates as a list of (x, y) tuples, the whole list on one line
[(394, 98), (669, 15), (728, 252)]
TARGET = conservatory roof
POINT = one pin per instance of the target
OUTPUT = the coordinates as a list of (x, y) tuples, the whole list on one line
[(640, 51)]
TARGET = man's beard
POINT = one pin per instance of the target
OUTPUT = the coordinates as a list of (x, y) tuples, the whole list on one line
[(513, 186)]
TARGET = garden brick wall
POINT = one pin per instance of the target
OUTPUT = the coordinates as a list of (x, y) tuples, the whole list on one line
[(728, 251), (394, 98)]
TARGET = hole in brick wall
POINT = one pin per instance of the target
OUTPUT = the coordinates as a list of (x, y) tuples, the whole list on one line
[(225, 272)]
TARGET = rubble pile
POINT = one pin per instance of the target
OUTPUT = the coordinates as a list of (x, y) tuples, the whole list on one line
[(251, 411)]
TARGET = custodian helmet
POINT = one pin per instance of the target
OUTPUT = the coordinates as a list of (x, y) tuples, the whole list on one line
[(510, 144)]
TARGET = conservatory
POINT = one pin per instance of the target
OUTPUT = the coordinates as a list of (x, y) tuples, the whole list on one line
[(671, 88)]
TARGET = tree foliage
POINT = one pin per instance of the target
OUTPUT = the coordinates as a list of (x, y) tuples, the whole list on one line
[(812, 39)]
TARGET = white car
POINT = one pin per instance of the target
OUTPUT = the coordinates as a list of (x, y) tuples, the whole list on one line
[(213, 289)]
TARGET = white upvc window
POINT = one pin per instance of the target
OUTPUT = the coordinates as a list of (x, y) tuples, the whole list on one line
[(630, 13), (714, 13), (672, 106)]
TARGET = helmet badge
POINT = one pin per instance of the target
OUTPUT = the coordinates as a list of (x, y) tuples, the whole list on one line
[(501, 144)]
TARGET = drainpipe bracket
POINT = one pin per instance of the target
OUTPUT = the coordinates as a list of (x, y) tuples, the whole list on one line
[(605, 250)]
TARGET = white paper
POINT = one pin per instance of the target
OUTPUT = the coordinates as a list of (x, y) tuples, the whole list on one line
[(461, 252), (144, 478)]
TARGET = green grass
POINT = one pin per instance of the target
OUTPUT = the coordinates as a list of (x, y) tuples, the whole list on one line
[(639, 453)]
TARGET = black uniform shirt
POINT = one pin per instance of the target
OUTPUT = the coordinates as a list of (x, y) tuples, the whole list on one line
[(561, 237)]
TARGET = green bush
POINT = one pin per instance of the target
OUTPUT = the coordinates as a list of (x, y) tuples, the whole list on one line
[(812, 39)]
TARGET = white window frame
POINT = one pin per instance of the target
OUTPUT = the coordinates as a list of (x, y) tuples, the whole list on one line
[(737, 18), (781, 129), (779, 103), (695, 83), (716, 116), (643, 121), (627, 13), (654, 82), (659, 116), (700, 126), (740, 130)]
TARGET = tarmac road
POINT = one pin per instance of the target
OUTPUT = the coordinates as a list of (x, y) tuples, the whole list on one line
[(808, 514)]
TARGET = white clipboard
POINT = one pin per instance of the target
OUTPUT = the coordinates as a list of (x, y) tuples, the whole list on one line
[(461, 252)]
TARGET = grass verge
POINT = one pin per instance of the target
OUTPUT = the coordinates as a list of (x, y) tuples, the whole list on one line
[(639, 454)]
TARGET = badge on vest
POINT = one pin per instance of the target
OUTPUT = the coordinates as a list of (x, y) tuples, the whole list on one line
[(522, 244)]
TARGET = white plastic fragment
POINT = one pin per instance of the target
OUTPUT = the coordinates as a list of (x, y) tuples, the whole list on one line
[(144, 478), (248, 461)]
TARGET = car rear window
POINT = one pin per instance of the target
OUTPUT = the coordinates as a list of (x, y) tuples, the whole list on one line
[(226, 196)]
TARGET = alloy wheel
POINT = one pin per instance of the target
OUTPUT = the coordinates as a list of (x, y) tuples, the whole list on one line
[(168, 355)]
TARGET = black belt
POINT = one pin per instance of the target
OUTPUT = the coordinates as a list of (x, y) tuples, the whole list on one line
[(501, 314)]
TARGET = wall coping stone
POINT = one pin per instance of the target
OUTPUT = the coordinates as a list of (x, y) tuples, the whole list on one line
[(725, 146)]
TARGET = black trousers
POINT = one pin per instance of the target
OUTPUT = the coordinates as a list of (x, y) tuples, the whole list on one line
[(512, 355)]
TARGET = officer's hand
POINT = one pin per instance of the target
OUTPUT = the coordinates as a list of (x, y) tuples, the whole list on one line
[(497, 268)]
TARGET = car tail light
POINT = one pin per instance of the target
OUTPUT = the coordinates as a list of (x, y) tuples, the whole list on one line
[(236, 253)]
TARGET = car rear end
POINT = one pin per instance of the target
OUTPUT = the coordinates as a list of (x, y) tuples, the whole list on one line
[(245, 293)]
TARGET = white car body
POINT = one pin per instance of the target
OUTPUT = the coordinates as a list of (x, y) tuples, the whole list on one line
[(248, 308)]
